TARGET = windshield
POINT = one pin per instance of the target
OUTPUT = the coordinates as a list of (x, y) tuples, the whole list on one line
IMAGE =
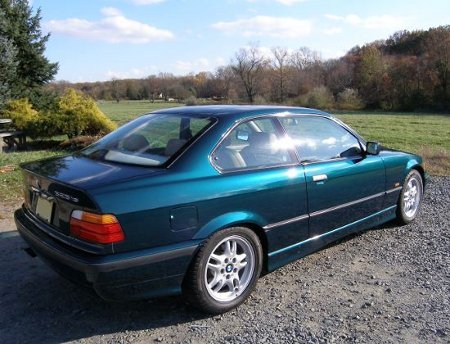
[(150, 140)]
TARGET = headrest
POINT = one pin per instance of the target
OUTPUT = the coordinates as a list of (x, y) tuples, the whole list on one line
[(135, 143), (263, 141), (173, 145)]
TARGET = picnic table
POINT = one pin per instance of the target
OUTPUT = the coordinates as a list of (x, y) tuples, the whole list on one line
[(11, 137)]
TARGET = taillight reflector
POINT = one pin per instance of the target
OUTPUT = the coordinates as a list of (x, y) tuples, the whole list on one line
[(97, 228)]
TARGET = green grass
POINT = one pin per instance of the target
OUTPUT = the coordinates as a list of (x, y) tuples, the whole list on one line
[(125, 111), (425, 134), (410, 132), (10, 176)]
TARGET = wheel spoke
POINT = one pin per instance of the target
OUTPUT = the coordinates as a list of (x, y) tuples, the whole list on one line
[(241, 265), (217, 258), (228, 248), (214, 267), (233, 247), (229, 284), (228, 273), (214, 281), (412, 196), (240, 257), (218, 285)]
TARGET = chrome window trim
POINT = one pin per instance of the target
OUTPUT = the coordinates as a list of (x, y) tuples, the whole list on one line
[(327, 210), (398, 188), (338, 122), (348, 204), (286, 222), (181, 151), (298, 244), (292, 152)]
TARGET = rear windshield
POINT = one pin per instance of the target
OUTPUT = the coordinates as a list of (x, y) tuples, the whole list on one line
[(150, 140)]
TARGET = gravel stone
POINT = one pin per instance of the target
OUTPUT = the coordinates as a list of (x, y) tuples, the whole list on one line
[(389, 284)]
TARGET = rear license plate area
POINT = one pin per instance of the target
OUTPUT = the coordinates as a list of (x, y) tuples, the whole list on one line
[(45, 209)]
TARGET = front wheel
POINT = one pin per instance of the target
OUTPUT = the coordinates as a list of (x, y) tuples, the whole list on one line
[(410, 197), (225, 270)]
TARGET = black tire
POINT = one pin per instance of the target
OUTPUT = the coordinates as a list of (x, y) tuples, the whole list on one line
[(405, 214), (204, 297)]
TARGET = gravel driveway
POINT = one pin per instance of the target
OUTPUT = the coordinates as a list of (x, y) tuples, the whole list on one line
[(386, 285)]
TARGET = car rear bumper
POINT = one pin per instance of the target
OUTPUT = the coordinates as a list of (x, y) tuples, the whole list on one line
[(131, 275)]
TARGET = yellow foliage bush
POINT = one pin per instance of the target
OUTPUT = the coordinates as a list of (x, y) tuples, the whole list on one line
[(78, 114), (22, 114), (72, 114)]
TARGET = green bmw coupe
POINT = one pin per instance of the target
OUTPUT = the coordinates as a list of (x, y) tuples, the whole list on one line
[(203, 200)]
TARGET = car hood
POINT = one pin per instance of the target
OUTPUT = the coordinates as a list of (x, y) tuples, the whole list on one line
[(84, 173)]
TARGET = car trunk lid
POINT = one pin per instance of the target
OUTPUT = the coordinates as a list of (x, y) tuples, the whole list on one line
[(55, 187)]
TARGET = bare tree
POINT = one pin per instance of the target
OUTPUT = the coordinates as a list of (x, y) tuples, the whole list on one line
[(152, 86), (166, 80), (303, 61), (248, 64), (224, 76), (116, 89), (280, 62)]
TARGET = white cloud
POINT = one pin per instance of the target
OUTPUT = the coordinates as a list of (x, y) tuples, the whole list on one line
[(114, 27), (201, 64), (133, 73), (266, 26), (289, 2), (332, 31), (283, 2), (146, 2), (220, 61), (110, 12), (373, 22), (333, 54)]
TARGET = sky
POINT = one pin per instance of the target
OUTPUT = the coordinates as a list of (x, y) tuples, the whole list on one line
[(96, 40)]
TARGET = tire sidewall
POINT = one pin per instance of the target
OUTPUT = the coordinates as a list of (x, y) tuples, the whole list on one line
[(402, 216), (215, 306)]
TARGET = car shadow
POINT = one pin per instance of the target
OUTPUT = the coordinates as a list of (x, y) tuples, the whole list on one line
[(40, 306), (384, 226)]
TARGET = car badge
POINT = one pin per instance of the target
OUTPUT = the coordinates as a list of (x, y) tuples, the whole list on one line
[(35, 183)]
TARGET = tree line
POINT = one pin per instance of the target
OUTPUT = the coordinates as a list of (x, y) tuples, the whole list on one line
[(407, 71)]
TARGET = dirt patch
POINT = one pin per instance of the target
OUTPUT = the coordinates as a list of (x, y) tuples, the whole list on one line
[(7, 215)]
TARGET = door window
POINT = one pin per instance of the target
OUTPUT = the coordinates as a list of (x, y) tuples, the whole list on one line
[(319, 138), (253, 144)]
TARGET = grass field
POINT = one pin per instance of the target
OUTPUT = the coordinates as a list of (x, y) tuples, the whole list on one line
[(125, 111), (425, 134)]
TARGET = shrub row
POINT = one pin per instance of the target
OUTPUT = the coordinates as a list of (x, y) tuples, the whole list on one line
[(322, 98)]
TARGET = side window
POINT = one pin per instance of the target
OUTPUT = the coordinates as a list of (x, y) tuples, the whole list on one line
[(318, 138), (252, 144)]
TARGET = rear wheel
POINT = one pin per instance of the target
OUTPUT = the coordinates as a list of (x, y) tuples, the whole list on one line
[(225, 270), (410, 198)]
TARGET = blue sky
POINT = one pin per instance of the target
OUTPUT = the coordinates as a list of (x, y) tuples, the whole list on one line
[(103, 39)]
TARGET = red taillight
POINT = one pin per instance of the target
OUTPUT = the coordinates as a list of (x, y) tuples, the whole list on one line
[(97, 228)]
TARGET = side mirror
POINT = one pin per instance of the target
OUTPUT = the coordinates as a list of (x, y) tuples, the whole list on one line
[(373, 148)]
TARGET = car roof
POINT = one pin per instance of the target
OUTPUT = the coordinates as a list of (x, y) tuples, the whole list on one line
[(240, 111)]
